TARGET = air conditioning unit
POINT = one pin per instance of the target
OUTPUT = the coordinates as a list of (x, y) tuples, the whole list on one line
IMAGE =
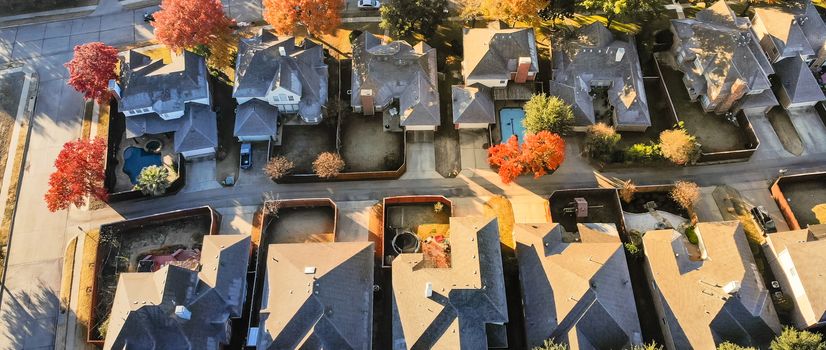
[(732, 287)]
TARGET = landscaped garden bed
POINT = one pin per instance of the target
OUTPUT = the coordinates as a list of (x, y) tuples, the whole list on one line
[(409, 220), (802, 199)]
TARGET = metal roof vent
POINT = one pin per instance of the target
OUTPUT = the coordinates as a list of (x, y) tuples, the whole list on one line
[(620, 54), (309, 270), (428, 290), (732, 287), (182, 312)]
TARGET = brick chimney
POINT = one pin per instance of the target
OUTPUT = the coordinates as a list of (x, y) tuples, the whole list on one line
[(367, 104), (522, 68)]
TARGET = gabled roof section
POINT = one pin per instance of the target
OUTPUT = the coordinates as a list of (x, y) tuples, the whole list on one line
[(143, 312), (798, 81), (466, 298), (578, 293), (492, 53), (198, 130), (472, 104), (794, 27), (699, 311), (420, 101), (318, 295), (255, 118), (162, 85)]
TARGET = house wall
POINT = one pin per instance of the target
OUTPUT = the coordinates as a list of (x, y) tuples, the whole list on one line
[(258, 138), (658, 307), (786, 274), (472, 125), (420, 128), (199, 153)]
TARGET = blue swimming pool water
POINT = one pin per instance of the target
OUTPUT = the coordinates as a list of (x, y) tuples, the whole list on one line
[(511, 123), (135, 159)]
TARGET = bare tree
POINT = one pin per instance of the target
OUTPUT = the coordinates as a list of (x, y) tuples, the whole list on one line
[(686, 194), (277, 167), (328, 165)]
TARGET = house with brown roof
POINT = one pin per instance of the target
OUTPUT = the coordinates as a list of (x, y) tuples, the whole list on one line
[(397, 79), (496, 55), (708, 293), (576, 288), (179, 308), (797, 259), (458, 307), (793, 36), (317, 296), (722, 62)]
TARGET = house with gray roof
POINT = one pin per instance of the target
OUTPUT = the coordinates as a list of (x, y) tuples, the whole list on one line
[(178, 308), (576, 290), (458, 307), (711, 292), (496, 55), (472, 106), (793, 36), (722, 62), (170, 94), (290, 77), (317, 296), (593, 66), (397, 79), (797, 259)]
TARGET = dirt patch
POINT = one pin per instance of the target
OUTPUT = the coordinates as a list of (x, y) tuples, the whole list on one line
[(301, 225), (20, 7), (803, 197), (501, 208), (87, 278), (365, 146), (662, 198), (68, 273), (302, 144), (783, 127), (11, 87), (448, 43)]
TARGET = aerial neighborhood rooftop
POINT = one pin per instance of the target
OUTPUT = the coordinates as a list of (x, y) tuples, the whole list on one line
[(398, 174)]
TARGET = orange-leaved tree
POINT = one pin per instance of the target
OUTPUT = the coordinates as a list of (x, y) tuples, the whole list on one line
[(508, 158), (542, 151), (91, 68), (79, 172), (184, 24), (317, 16), (513, 10)]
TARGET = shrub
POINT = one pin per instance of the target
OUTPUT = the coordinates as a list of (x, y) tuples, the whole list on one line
[(437, 207), (679, 146), (547, 113), (551, 345), (642, 152), (153, 180), (627, 191), (600, 141), (686, 194), (328, 165), (277, 167), (792, 339), (632, 249), (650, 346), (732, 346), (691, 234)]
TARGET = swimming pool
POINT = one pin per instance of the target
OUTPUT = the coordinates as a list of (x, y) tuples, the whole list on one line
[(511, 123), (135, 159)]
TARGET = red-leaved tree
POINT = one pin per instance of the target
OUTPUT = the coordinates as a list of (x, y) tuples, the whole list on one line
[(183, 24), (318, 16), (542, 151), (539, 153), (508, 158), (79, 173), (91, 68)]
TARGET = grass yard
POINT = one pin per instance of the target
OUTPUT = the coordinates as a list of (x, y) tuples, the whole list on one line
[(501, 208)]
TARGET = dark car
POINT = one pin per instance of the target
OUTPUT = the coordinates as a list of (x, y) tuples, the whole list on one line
[(761, 216), (246, 155)]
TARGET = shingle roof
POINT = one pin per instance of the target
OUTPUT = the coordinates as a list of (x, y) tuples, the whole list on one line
[(578, 293), (143, 312), (466, 297), (165, 87), (798, 81), (807, 255), (397, 70), (198, 129), (330, 308), (472, 104), (255, 118), (699, 313), (594, 57), (492, 53), (260, 68), (795, 27)]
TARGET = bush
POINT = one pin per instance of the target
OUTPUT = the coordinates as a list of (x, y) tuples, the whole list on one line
[(551, 345), (277, 167), (600, 141), (732, 346), (686, 194), (691, 234), (642, 152), (632, 249), (679, 146), (792, 339), (650, 346), (153, 180), (627, 191), (547, 113), (328, 165)]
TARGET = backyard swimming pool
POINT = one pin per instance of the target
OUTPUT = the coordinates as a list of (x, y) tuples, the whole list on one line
[(135, 159), (511, 123)]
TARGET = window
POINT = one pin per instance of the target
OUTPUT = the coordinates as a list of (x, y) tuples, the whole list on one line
[(275, 98), (283, 97), (292, 98)]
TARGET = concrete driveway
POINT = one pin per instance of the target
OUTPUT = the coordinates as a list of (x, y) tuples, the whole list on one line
[(810, 128)]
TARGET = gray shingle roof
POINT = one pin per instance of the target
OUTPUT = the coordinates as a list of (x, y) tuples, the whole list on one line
[(198, 129), (165, 87), (143, 312), (472, 104), (260, 68), (255, 118), (330, 308), (466, 297), (492, 53), (397, 70), (576, 292), (591, 58), (798, 81)]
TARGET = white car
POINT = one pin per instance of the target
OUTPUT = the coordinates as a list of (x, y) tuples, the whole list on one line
[(369, 4)]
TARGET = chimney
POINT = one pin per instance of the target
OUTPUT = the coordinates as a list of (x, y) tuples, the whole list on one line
[(428, 290), (182, 312), (367, 106), (282, 51), (620, 54), (522, 69)]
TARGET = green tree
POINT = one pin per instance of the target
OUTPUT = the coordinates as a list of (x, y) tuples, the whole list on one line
[(621, 8), (153, 180), (544, 112), (600, 141), (792, 339), (551, 345), (642, 152), (404, 18), (732, 346)]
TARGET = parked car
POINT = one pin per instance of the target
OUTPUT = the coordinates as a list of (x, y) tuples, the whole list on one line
[(762, 217), (369, 4), (246, 155)]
